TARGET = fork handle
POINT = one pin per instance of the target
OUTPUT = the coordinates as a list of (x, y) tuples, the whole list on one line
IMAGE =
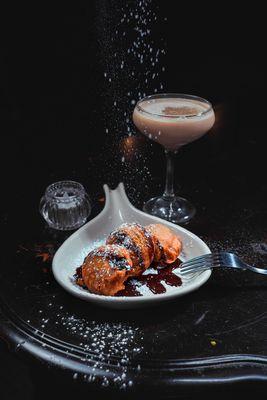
[(257, 270), (244, 267)]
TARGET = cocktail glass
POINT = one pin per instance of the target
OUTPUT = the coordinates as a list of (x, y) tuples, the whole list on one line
[(172, 120)]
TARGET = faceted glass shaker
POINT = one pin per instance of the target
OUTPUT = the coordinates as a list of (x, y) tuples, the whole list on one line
[(65, 205)]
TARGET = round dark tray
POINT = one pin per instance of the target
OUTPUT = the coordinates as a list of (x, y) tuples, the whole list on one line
[(216, 335)]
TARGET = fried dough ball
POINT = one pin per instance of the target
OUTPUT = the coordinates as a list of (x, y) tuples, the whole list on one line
[(106, 268), (167, 246), (138, 241), (129, 251)]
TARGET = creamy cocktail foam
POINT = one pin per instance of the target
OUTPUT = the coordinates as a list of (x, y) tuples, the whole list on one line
[(174, 107), (173, 122)]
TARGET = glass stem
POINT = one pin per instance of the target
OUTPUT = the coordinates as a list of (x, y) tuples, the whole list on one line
[(169, 192)]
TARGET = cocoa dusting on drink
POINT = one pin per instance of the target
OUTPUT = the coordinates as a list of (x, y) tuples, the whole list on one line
[(180, 111)]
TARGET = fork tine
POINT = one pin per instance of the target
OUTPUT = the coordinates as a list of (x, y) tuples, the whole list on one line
[(201, 263), (195, 260), (195, 268), (200, 259), (193, 265), (194, 271), (187, 270), (209, 261)]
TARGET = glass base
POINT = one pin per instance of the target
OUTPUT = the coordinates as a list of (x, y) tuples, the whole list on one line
[(174, 209)]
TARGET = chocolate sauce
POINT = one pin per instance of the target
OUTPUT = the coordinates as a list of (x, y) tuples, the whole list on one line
[(153, 280), (78, 277), (118, 262), (159, 273), (121, 238), (78, 274)]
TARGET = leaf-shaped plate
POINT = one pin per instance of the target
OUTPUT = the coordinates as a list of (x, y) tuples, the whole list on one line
[(118, 210)]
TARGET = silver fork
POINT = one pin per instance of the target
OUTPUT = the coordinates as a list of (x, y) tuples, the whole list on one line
[(217, 260)]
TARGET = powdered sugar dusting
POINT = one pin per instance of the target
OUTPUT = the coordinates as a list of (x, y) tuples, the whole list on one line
[(85, 250), (104, 345)]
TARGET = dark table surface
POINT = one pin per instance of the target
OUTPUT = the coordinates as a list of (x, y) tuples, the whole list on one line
[(62, 123)]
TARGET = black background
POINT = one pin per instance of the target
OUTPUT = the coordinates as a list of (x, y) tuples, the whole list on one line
[(55, 103), (54, 98)]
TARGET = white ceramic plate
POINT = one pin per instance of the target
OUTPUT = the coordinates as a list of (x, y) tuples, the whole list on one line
[(118, 210)]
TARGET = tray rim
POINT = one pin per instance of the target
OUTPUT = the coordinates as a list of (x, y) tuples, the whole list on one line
[(212, 370)]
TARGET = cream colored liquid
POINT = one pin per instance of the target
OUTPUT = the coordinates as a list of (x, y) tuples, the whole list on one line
[(173, 122)]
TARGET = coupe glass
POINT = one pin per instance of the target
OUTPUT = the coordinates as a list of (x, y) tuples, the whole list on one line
[(172, 120)]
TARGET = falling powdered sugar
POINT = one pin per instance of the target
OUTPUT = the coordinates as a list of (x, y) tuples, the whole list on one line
[(132, 56)]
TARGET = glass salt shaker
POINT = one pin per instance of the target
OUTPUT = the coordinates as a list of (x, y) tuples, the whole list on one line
[(65, 205)]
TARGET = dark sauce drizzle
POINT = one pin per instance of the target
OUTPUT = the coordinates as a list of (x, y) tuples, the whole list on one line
[(78, 278), (152, 281)]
